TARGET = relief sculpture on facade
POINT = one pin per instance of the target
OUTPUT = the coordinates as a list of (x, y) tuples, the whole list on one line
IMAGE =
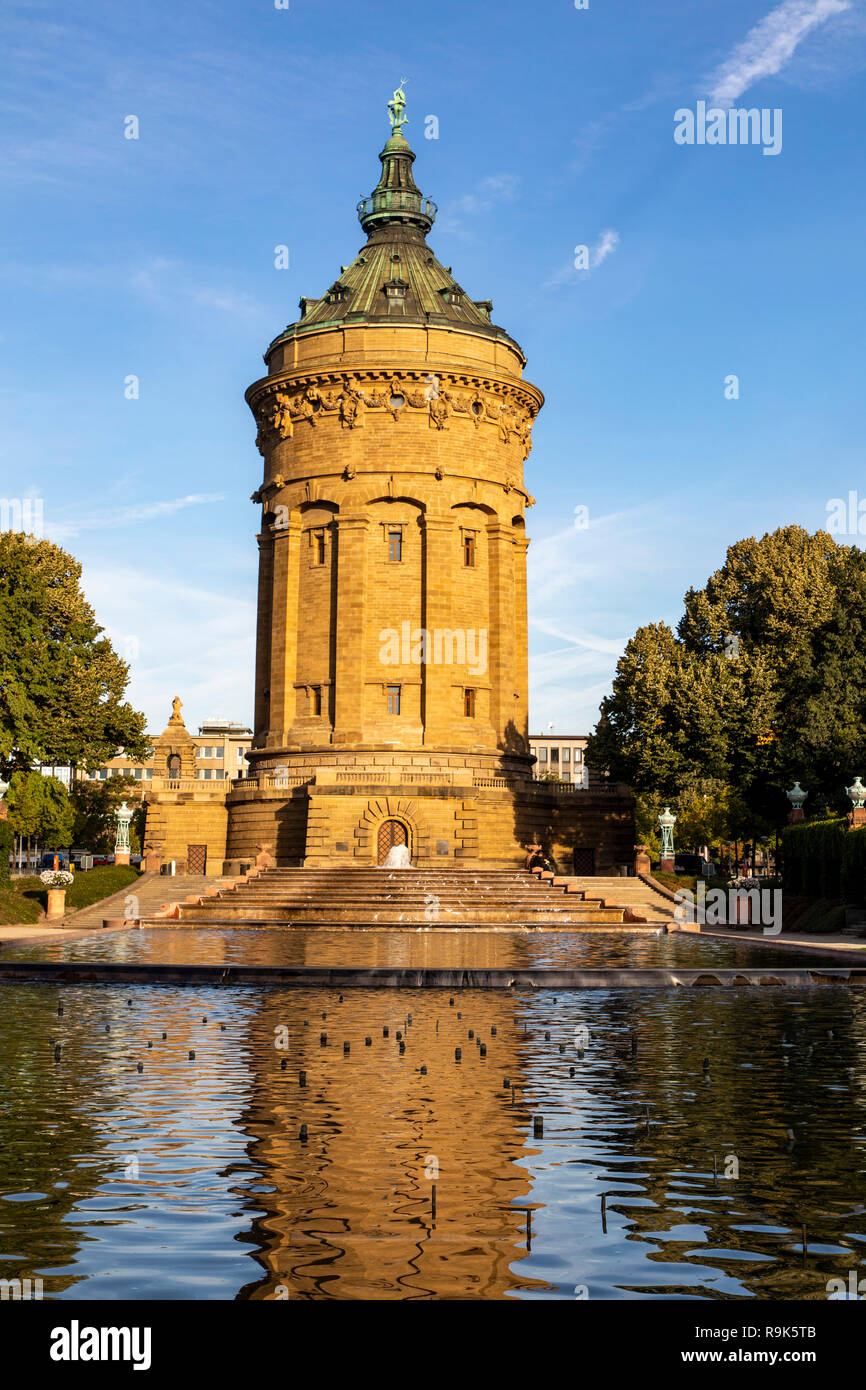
[(278, 412)]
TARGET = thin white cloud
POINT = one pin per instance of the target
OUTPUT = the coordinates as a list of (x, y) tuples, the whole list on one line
[(604, 247), (207, 657), (597, 254), (495, 188), (768, 47), (127, 516)]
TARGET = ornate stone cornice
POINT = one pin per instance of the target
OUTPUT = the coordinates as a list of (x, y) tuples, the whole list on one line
[(284, 403)]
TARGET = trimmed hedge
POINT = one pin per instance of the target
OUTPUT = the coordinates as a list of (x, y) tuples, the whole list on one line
[(854, 868), (824, 859), (6, 844)]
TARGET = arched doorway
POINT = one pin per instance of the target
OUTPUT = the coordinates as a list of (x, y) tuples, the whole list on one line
[(391, 833), (174, 767)]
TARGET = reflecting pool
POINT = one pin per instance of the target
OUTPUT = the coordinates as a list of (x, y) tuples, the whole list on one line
[(193, 1179), (470, 949)]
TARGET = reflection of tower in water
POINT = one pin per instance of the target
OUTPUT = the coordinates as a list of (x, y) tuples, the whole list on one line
[(353, 1212)]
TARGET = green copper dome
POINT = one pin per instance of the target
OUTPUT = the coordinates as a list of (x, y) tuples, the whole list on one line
[(395, 276)]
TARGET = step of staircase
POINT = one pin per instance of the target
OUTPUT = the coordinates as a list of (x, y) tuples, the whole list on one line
[(422, 898)]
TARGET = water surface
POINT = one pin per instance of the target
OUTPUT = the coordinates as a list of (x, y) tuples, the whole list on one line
[(190, 1179), (436, 947)]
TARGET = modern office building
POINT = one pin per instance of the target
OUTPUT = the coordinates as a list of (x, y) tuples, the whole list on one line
[(560, 756)]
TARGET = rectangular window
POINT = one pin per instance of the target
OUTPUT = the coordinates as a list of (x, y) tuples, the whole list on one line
[(393, 699), (554, 756), (317, 699), (469, 551), (395, 545), (566, 755), (319, 547), (148, 774), (578, 755), (469, 703), (542, 755)]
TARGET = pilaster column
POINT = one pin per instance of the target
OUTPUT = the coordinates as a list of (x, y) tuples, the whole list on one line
[(261, 721), (520, 707), (504, 643), (284, 631), (438, 706), (349, 666)]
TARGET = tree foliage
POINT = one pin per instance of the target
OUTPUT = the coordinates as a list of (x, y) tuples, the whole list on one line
[(61, 682), (40, 809), (95, 803), (763, 682)]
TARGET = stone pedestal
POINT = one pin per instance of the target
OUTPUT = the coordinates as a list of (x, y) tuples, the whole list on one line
[(121, 856), (153, 857), (56, 902), (857, 817), (666, 864), (642, 861), (795, 816)]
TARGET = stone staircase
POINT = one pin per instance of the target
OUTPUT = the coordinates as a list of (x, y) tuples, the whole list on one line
[(374, 897), (634, 893)]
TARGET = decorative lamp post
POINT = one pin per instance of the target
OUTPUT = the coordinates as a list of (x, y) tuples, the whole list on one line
[(667, 823), (857, 794), (123, 816), (796, 796)]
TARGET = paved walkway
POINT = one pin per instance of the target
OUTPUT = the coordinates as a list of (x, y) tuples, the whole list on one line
[(801, 940), (151, 893)]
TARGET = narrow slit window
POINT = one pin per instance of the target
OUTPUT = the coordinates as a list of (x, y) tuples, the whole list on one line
[(395, 545), (393, 699), (469, 703), (469, 551), (317, 699), (319, 547)]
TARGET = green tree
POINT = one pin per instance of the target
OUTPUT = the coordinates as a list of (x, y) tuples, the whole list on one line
[(56, 815), (764, 681), (95, 803), (61, 682), (24, 801), (40, 810)]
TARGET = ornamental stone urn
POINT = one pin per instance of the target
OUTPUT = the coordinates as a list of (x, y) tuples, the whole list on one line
[(857, 795), (56, 881), (642, 861), (796, 796)]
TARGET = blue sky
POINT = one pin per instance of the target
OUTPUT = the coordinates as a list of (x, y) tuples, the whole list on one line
[(155, 258)]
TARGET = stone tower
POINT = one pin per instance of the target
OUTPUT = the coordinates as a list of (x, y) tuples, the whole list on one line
[(394, 423), (391, 653)]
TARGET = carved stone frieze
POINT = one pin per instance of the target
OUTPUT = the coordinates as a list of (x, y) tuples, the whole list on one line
[(281, 409)]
